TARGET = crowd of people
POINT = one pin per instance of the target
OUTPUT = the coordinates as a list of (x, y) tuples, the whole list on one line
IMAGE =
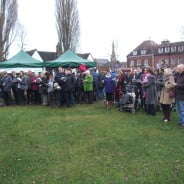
[(56, 89), (161, 89)]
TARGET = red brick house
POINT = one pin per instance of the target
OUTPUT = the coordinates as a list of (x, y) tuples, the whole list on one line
[(149, 53)]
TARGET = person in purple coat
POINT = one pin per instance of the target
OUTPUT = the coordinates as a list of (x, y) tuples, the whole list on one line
[(109, 89)]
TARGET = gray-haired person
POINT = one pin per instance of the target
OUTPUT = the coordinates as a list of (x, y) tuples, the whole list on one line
[(179, 93)]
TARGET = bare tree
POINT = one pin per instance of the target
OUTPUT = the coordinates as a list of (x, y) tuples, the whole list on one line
[(8, 18), (67, 23), (22, 41)]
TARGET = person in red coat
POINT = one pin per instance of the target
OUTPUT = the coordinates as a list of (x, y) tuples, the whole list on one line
[(121, 85), (35, 81)]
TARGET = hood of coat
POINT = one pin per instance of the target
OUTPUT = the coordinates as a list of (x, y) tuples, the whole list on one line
[(108, 75)]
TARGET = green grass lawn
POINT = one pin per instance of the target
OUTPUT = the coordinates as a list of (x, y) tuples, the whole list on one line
[(88, 145)]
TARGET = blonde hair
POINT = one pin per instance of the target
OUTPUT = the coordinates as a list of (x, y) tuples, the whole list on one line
[(168, 71), (181, 66)]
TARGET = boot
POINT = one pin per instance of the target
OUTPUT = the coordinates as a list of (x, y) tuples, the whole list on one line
[(168, 114), (164, 113), (109, 104), (106, 104)]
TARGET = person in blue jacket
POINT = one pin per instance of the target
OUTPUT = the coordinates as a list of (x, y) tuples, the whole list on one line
[(109, 89), (6, 88)]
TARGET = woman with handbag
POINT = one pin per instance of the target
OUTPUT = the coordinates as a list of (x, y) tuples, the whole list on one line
[(167, 94)]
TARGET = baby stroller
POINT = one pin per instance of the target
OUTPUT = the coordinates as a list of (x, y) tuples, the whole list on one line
[(127, 100)]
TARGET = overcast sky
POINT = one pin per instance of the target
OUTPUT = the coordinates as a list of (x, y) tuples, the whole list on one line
[(128, 22)]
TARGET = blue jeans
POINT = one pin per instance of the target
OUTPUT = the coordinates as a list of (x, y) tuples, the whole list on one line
[(100, 93), (180, 108), (70, 100)]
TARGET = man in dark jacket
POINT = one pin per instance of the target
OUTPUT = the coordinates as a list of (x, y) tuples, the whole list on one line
[(29, 89), (95, 84), (6, 87), (101, 86), (15, 88), (79, 87), (70, 88), (179, 93), (60, 79)]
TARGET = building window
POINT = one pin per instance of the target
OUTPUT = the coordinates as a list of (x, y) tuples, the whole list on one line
[(139, 63), (134, 53), (131, 63), (180, 48), (173, 61), (173, 49), (146, 62), (166, 61), (163, 60), (181, 61), (143, 52), (160, 50), (167, 49)]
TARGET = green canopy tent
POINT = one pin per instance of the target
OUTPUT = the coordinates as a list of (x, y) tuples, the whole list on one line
[(69, 59), (22, 59)]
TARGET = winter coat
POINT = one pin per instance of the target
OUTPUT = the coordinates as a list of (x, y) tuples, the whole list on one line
[(109, 84), (7, 83), (43, 86), (179, 90), (168, 84), (122, 82), (23, 83), (60, 78), (159, 81), (95, 78), (70, 83), (150, 89), (1, 84), (123, 79), (88, 83), (100, 81), (35, 83), (29, 85), (14, 83), (78, 84)]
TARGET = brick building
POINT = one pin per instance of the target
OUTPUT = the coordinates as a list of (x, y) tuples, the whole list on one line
[(149, 53)]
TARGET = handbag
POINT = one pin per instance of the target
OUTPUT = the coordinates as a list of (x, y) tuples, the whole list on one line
[(171, 92)]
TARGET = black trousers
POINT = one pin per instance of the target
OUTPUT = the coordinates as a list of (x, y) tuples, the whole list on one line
[(51, 99), (22, 97), (36, 97), (7, 97), (16, 95), (109, 97), (29, 96), (95, 92), (89, 97), (60, 97), (70, 99), (78, 95), (150, 109), (166, 109)]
